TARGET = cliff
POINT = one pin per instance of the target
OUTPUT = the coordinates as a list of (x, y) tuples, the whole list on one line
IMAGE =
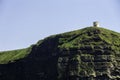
[(91, 53)]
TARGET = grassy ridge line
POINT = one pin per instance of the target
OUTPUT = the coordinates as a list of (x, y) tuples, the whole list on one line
[(66, 40), (79, 37), (13, 55)]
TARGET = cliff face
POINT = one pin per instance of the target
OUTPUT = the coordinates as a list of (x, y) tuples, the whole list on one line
[(91, 53)]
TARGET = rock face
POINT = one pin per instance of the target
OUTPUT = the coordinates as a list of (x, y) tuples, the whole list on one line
[(91, 53)]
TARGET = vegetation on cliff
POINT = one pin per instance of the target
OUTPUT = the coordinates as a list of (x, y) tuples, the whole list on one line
[(90, 53), (13, 55)]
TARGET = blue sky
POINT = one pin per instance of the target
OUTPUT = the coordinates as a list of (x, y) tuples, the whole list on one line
[(24, 22)]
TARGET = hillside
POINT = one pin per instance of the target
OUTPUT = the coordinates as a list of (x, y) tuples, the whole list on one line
[(13, 55), (90, 53)]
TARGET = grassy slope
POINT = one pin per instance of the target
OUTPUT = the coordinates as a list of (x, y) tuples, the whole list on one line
[(11, 56), (73, 39), (89, 36)]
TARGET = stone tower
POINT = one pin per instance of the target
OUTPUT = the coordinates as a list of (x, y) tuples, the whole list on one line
[(96, 24)]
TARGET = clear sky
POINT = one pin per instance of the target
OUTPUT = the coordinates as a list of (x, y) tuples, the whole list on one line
[(24, 22)]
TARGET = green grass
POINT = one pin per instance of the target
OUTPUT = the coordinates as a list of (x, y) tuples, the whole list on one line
[(13, 55), (87, 36)]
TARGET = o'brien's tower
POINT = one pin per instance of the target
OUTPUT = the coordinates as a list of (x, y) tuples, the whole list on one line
[(96, 24)]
